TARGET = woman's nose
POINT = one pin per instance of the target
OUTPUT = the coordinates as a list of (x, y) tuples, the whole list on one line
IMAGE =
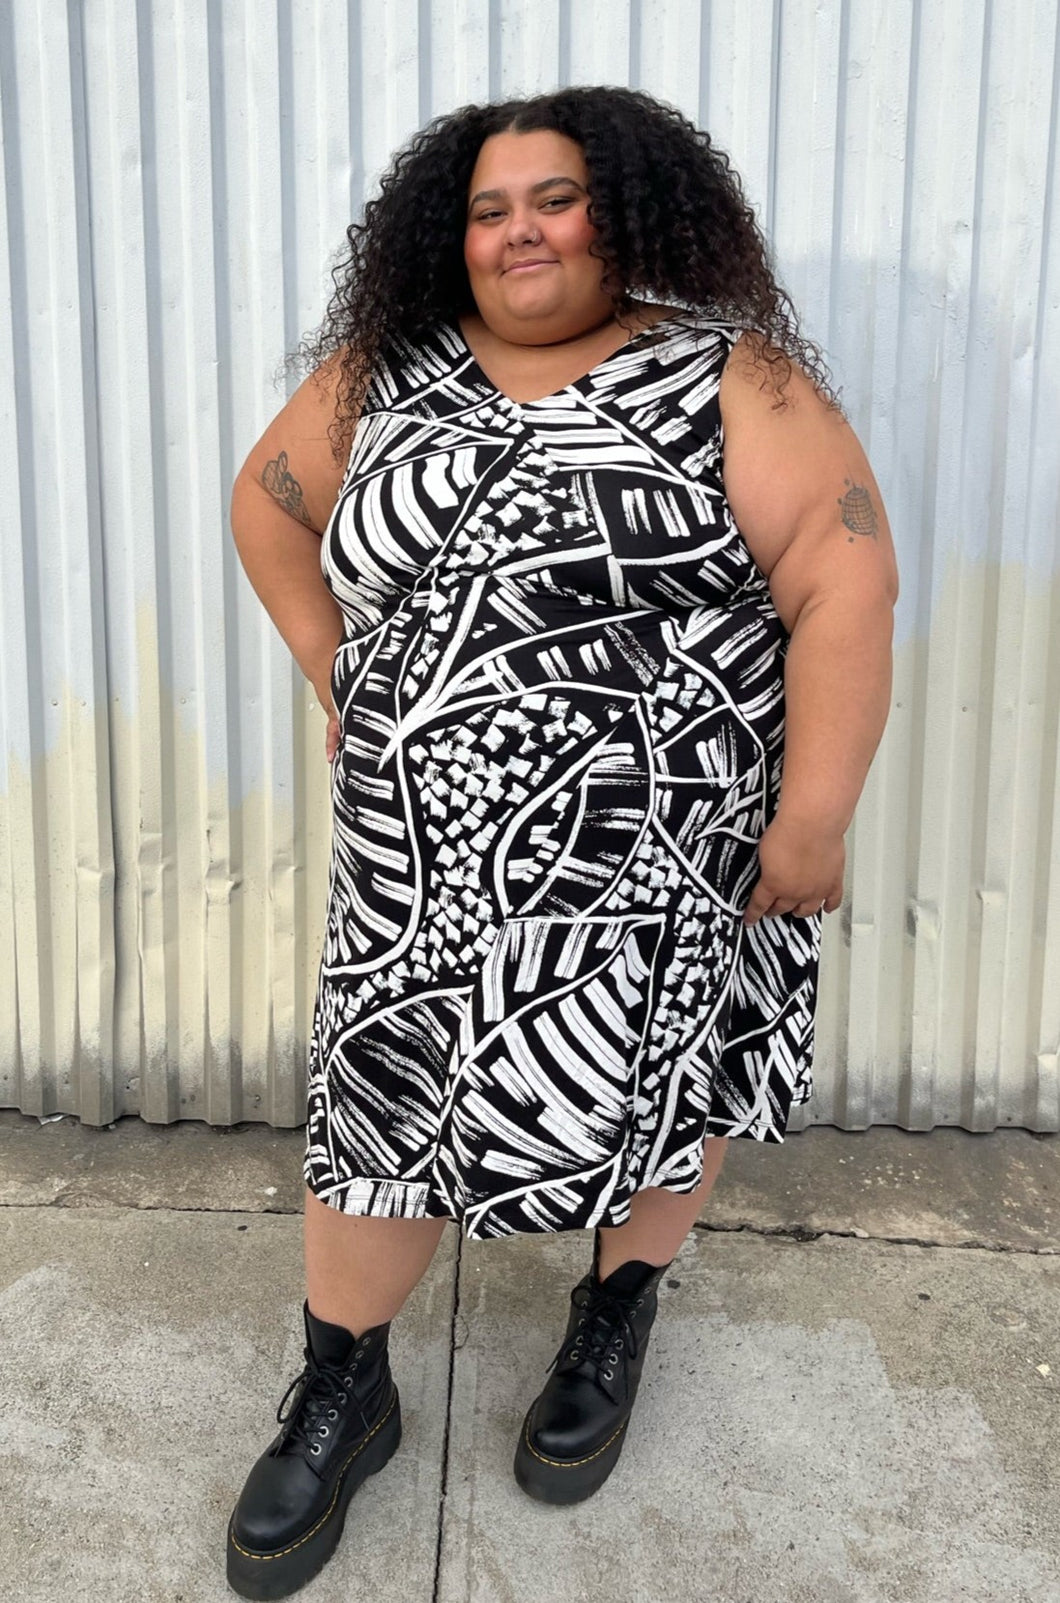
[(522, 229)]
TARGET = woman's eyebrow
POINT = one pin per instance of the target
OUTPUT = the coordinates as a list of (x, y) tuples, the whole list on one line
[(546, 183)]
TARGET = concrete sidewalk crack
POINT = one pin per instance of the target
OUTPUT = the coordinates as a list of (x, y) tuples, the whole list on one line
[(801, 1233), (72, 1203), (444, 1485)]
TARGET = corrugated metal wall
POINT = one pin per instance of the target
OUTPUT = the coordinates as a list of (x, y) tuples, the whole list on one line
[(177, 175)]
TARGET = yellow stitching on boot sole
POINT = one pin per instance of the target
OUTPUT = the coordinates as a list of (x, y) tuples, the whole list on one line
[(267, 1558), (572, 1463)]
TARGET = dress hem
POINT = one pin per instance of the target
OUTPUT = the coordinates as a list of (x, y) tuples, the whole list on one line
[(364, 1197)]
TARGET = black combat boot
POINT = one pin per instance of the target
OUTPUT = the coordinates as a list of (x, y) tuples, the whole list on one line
[(343, 1423), (574, 1431)]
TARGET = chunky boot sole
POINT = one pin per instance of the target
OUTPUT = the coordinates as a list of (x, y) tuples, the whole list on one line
[(278, 1574), (557, 1480)]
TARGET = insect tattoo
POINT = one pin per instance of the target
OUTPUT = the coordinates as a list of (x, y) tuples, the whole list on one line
[(858, 512), (282, 484)]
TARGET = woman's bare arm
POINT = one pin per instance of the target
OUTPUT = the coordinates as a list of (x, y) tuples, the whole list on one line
[(281, 502), (805, 500)]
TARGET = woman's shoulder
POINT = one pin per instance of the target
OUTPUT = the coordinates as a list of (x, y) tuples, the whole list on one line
[(699, 329), (699, 343), (710, 325)]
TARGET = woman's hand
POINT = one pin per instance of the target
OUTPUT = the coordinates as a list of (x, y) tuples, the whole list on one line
[(801, 871), (333, 738)]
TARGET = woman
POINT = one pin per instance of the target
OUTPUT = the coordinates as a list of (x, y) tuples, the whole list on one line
[(602, 622)]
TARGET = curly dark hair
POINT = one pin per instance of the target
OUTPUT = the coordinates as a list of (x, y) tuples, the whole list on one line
[(670, 214)]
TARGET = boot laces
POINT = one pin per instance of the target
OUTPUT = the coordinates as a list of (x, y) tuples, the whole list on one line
[(605, 1328), (319, 1398)]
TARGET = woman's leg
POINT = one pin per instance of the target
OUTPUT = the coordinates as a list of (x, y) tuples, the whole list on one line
[(360, 1271), (574, 1430), (344, 1422), (660, 1220)]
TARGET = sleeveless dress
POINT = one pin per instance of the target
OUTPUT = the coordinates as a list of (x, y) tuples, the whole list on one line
[(562, 706)]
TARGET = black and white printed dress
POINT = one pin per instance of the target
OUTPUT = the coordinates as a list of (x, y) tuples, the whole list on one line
[(562, 705)]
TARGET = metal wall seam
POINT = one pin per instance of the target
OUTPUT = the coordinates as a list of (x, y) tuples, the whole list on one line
[(1043, 540), (80, 522), (19, 917)]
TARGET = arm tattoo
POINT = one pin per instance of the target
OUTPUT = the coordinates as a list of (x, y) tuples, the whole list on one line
[(858, 512), (285, 488)]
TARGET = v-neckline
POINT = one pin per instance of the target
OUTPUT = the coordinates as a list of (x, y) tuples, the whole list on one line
[(575, 384)]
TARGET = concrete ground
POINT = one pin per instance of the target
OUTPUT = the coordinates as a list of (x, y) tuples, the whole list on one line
[(852, 1393)]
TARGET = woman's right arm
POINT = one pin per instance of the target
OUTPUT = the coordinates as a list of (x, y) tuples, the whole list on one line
[(281, 502)]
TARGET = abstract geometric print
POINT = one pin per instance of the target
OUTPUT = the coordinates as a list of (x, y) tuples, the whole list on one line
[(561, 698)]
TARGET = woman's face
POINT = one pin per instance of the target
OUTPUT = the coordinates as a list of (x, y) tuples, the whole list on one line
[(527, 201)]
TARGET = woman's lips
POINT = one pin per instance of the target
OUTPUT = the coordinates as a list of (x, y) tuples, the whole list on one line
[(526, 267)]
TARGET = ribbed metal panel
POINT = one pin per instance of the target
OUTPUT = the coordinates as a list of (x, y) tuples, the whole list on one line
[(176, 179)]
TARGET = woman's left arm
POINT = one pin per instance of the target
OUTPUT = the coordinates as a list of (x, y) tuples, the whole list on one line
[(805, 500)]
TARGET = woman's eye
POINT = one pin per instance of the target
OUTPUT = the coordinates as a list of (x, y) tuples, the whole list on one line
[(554, 200)]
